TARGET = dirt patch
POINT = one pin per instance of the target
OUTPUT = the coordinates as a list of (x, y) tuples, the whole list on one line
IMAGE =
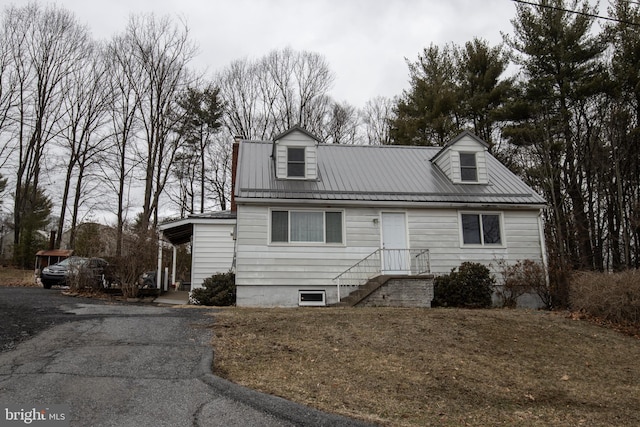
[(421, 367)]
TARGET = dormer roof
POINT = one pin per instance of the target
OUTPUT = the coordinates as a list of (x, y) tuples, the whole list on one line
[(455, 140), (297, 128)]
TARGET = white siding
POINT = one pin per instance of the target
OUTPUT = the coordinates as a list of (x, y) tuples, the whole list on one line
[(271, 275), (444, 163), (281, 161), (212, 250)]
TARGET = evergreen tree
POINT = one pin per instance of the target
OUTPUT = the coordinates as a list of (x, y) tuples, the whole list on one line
[(426, 113), (452, 89), (483, 90), (564, 75), (33, 234)]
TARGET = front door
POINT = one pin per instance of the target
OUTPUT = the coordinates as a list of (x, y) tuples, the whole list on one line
[(395, 255)]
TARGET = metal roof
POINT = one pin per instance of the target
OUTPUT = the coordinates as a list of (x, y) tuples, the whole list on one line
[(367, 173), (180, 231)]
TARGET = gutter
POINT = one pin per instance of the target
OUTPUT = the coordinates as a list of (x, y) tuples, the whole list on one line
[(397, 204)]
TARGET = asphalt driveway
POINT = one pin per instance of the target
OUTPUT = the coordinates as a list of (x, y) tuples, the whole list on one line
[(126, 365)]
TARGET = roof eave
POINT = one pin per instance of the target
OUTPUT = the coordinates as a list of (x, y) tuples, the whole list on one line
[(388, 203)]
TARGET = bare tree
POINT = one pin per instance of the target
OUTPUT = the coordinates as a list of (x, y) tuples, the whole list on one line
[(8, 90), (162, 49), (219, 155), (342, 125), (376, 116), (85, 106), (87, 113), (199, 112), (268, 96), (46, 45), (119, 169)]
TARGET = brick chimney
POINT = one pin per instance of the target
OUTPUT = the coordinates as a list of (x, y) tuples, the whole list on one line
[(234, 170)]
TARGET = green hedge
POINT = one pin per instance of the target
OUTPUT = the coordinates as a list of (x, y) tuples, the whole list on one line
[(218, 290), (471, 287)]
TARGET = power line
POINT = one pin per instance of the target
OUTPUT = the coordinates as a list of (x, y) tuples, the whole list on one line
[(577, 12)]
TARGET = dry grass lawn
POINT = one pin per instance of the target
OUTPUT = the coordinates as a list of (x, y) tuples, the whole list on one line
[(444, 367), (16, 277)]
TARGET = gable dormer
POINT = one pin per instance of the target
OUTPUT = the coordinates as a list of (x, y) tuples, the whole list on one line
[(464, 160), (295, 154)]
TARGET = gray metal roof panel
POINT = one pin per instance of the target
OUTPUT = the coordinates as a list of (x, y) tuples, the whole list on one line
[(376, 173)]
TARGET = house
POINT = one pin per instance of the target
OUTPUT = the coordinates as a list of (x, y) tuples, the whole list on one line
[(311, 216)]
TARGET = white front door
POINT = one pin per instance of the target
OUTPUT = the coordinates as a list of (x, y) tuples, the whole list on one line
[(395, 255)]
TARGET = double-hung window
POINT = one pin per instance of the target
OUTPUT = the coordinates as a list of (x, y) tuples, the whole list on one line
[(306, 227), (468, 167), (481, 229), (295, 162)]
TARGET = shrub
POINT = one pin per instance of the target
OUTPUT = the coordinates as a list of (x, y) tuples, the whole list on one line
[(611, 296), (471, 286), (81, 278), (218, 290), (525, 276), (140, 251)]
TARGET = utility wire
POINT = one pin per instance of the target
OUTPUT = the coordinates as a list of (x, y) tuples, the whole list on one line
[(577, 12)]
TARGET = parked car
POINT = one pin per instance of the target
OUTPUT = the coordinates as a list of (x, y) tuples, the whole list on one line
[(147, 280), (96, 269)]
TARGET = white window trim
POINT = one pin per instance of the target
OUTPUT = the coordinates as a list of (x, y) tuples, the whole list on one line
[(475, 159), (304, 150), (322, 303), (324, 228), (503, 238)]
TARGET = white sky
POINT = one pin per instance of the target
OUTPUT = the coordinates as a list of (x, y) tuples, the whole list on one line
[(365, 41)]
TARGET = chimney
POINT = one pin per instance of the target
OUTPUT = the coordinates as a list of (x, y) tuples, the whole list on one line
[(234, 170)]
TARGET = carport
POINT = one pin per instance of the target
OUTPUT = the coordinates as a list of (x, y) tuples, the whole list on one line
[(212, 238), (50, 257)]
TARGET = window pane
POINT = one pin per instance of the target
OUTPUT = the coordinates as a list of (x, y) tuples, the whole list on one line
[(334, 227), (295, 162), (295, 169), (306, 227), (295, 154), (491, 229), (468, 174), (471, 229), (279, 226), (468, 159)]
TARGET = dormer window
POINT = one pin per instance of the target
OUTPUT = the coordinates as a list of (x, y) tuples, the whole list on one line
[(295, 155), (468, 167), (464, 160), (295, 162)]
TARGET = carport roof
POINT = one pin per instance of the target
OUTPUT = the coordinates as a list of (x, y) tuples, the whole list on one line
[(55, 253), (180, 231)]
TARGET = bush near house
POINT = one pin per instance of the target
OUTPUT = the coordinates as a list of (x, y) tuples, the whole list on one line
[(471, 287), (218, 290), (523, 277), (614, 297)]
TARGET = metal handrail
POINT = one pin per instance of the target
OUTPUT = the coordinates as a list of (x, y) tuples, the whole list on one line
[(390, 261)]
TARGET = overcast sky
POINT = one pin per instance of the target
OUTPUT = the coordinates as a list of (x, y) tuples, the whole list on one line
[(365, 41)]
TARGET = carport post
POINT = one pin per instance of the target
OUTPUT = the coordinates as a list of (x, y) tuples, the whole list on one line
[(173, 266), (159, 272)]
